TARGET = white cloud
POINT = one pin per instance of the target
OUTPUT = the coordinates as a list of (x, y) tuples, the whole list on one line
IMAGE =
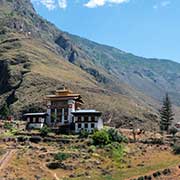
[(50, 4), (155, 7), (53, 4), (162, 4), (96, 3), (165, 3), (62, 3)]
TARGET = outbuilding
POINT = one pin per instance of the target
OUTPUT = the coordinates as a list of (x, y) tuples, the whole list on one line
[(35, 120), (87, 120)]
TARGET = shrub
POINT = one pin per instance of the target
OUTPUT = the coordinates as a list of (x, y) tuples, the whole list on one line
[(156, 174), (115, 136), (100, 138), (22, 139), (14, 131), (83, 134), (61, 156), (35, 139), (8, 125), (53, 165), (45, 130), (92, 149), (173, 131), (166, 172), (148, 177), (116, 151), (176, 149), (140, 178), (157, 141), (5, 111), (107, 136)]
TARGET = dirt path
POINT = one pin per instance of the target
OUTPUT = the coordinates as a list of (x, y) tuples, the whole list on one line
[(52, 173), (5, 159)]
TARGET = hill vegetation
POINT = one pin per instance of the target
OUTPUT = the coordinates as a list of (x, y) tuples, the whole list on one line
[(36, 58)]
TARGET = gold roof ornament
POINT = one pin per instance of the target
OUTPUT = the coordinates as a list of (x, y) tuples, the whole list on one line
[(64, 94)]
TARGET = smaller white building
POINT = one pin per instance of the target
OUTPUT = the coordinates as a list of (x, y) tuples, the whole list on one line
[(87, 120), (35, 120)]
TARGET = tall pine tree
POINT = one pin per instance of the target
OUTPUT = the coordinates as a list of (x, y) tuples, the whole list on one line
[(166, 114)]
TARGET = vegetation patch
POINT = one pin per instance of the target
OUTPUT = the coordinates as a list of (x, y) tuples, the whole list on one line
[(176, 149), (61, 156), (107, 136), (45, 130)]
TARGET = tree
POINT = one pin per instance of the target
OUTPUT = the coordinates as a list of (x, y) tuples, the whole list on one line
[(45, 130), (100, 138), (5, 112), (166, 114), (173, 131)]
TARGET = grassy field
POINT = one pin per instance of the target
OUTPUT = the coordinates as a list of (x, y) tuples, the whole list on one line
[(128, 161)]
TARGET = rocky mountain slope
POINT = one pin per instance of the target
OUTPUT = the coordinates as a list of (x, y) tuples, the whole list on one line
[(36, 58)]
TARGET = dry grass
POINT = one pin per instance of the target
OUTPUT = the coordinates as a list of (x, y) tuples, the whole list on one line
[(139, 160)]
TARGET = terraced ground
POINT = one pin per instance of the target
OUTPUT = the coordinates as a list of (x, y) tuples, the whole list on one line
[(30, 161)]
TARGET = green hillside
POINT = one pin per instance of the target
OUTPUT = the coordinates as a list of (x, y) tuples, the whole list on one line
[(37, 58)]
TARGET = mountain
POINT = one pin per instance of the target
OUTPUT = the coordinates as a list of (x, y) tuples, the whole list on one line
[(36, 58)]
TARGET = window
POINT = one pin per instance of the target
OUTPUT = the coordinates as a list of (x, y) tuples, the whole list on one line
[(86, 125), (34, 119), (41, 120), (85, 118), (53, 115), (59, 119), (65, 118), (59, 112), (31, 120), (28, 119), (66, 111), (93, 118), (92, 125), (79, 118), (79, 126)]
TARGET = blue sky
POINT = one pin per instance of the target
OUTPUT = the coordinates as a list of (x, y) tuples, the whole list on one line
[(149, 28)]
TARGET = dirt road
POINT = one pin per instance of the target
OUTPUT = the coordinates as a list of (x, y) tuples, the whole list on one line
[(5, 159)]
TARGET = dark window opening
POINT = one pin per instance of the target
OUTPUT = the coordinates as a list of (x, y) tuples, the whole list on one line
[(93, 118), (66, 111), (92, 125), (79, 126), (86, 118), (79, 118), (86, 125)]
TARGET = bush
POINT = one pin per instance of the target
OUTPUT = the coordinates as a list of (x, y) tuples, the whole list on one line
[(92, 149), (156, 174), (116, 151), (173, 131), (140, 178), (61, 156), (100, 138), (115, 136), (45, 130), (5, 111), (35, 139), (14, 131), (107, 136), (22, 139), (176, 149), (166, 172), (53, 165), (83, 134), (8, 125)]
